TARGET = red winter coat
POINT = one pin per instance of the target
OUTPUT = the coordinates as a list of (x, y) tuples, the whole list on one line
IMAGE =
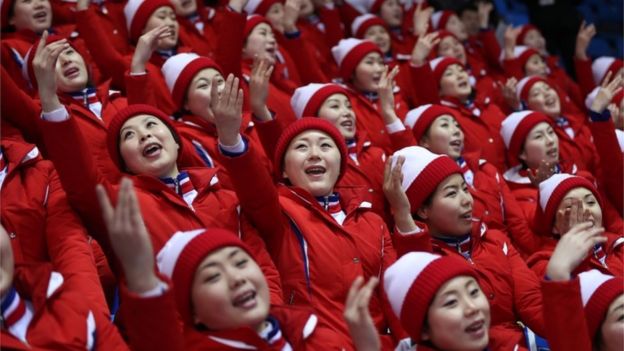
[(579, 148), (612, 162), (317, 258), (154, 326), (202, 41), (369, 120), (164, 211), (511, 287)]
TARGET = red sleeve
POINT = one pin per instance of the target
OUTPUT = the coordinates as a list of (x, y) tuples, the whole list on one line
[(612, 174), (411, 242), (333, 27), (152, 323), (491, 47), (512, 68), (563, 313), (584, 75), (268, 133), (229, 51), (13, 68), (424, 85), (308, 69), (63, 12), (19, 109), (138, 89), (104, 54), (402, 139)]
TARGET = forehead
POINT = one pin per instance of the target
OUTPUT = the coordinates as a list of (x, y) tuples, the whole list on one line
[(374, 55), (454, 180), (541, 126), (448, 40), (444, 117), (337, 96), (454, 68), (532, 33), (163, 10), (220, 255), (207, 73), (375, 29), (455, 283), (311, 135), (138, 120), (538, 86), (578, 193), (262, 27)]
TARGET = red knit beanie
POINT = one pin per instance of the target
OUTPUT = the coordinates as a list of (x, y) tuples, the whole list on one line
[(440, 64), (423, 171), (183, 252), (440, 18), (138, 12), (515, 129), (523, 32), (252, 22), (349, 52), (303, 125), (420, 119), (179, 70), (598, 291), (412, 282), (442, 33), (115, 125), (551, 193), (362, 23), (307, 100), (525, 85), (522, 54)]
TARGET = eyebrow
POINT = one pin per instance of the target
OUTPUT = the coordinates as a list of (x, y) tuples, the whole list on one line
[(214, 264)]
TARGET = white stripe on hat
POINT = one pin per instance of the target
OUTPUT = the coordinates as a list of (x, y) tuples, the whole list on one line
[(620, 138), (434, 63), (302, 96), (589, 99), (359, 20), (435, 19), (130, 10), (547, 187), (400, 276), (340, 51), (168, 255), (252, 6), (363, 6), (590, 281), (417, 158), (174, 65), (509, 125), (413, 115), (600, 66), (521, 85)]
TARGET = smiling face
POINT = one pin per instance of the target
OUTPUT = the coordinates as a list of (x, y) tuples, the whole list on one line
[(444, 137), (338, 111), (198, 94), (541, 144), (535, 66), (456, 26), (454, 82), (184, 8), (542, 98), (612, 329), (229, 291), (450, 210), (451, 47), (588, 202), (71, 71), (312, 162), (147, 147), (261, 42), (368, 72), (164, 15), (7, 264), (535, 40), (391, 12), (459, 316), (35, 15), (380, 36)]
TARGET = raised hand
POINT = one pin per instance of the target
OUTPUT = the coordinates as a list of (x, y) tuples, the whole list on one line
[(129, 237), (227, 108), (238, 5), (543, 172), (509, 92), (385, 91), (572, 249), (421, 19), (393, 190), (358, 317), (291, 14), (509, 40), (145, 47), (44, 67), (483, 12), (583, 38), (259, 88), (608, 89), (423, 48)]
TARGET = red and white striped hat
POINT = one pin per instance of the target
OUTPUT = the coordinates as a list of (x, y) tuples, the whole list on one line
[(137, 13), (366, 6), (523, 53), (440, 18), (411, 284), (349, 52), (252, 22), (523, 32), (525, 84), (603, 65), (307, 100), (179, 71), (438, 66), (515, 129), (598, 291), (422, 172), (362, 23), (420, 118)]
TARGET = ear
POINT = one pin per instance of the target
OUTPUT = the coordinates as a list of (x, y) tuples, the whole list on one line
[(284, 175), (424, 141), (423, 212)]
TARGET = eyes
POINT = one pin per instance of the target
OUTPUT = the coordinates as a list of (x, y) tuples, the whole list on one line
[(303, 146), (216, 275), (453, 192), (452, 300), (127, 134)]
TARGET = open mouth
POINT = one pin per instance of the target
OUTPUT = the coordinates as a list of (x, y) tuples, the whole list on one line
[(71, 72), (456, 143), (463, 84), (40, 15), (476, 329), (347, 123), (553, 153), (550, 102), (315, 170), (152, 150), (245, 300), (466, 215)]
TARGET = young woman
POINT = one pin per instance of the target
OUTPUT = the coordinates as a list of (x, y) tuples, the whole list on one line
[(142, 141), (432, 188), (563, 201), (209, 278), (319, 241), (437, 298)]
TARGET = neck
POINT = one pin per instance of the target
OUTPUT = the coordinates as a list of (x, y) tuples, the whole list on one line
[(171, 174)]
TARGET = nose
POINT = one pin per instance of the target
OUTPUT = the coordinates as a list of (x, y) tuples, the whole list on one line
[(470, 307), (466, 199), (145, 135), (235, 278)]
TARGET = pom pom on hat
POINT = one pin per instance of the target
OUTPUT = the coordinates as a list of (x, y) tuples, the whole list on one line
[(423, 171), (349, 52), (524, 31), (115, 125), (182, 254), (440, 64), (362, 23), (307, 100), (303, 125), (603, 65), (598, 291), (551, 193), (252, 22), (420, 118), (260, 7), (440, 18), (412, 282), (525, 84), (179, 71), (137, 14), (515, 129)]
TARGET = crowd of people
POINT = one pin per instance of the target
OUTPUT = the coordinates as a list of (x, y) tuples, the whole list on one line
[(305, 175)]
